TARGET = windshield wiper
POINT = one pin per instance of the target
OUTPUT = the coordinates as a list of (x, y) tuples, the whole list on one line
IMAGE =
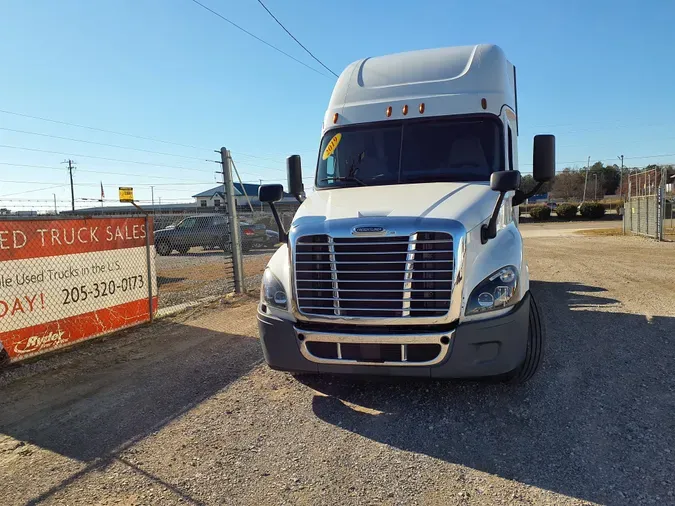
[(344, 179)]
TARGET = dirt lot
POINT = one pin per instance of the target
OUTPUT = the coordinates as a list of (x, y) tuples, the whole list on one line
[(185, 413), (199, 274)]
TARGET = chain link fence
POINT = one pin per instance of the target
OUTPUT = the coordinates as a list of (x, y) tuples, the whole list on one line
[(63, 280), (669, 210), (78, 275), (645, 208), (194, 254)]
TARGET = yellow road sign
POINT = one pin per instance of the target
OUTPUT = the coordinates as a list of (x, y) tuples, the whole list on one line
[(126, 194)]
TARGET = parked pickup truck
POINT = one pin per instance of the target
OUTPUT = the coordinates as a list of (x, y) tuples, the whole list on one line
[(206, 231)]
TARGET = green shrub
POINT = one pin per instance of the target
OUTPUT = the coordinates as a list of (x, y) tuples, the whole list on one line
[(566, 211), (592, 210), (540, 213)]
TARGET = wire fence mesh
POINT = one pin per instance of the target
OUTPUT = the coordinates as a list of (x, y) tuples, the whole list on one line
[(193, 257), (65, 280), (646, 209)]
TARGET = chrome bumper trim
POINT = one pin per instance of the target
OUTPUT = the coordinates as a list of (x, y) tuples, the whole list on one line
[(404, 340)]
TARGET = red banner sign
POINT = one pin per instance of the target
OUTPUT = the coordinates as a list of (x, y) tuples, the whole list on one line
[(62, 281)]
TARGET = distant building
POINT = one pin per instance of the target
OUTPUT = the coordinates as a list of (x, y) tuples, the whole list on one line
[(244, 193), (204, 202)]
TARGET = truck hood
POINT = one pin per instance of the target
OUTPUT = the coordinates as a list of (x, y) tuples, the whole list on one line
[(468, 203)]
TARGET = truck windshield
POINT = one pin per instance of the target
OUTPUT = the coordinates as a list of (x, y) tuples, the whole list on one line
[(411, 151)]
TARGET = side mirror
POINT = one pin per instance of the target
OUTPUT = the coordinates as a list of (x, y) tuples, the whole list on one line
[(505, 180), (295, 186), (543, 158), (501, 181), (271, 193)]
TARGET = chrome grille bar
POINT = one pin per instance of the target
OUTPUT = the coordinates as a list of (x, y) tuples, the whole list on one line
[(333, 277), (407, 277), (371, 277)]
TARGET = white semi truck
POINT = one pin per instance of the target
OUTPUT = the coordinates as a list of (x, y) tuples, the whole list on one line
[(407, 258)]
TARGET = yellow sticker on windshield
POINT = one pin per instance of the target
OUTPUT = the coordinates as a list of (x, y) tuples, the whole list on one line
[(331, 146)]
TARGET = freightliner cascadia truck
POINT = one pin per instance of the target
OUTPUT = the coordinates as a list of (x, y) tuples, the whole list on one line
[(407, 259)]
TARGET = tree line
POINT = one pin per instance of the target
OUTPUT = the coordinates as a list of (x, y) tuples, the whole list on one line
[(602, 180)]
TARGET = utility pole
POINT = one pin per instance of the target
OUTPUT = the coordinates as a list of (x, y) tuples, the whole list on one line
[(55, 210), (72, 191), (152, 193), (588, 166), (621, 177), (233, 221)]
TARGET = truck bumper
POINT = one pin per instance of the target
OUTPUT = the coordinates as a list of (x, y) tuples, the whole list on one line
[(476, 349)]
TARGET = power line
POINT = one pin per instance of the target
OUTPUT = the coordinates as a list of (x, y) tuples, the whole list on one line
[(27, 132), (95, 172), (34, 190), (259, 39), (135, 161), (134, 136), (95, 129), (181, 182), (607, 159), (296, 40), (103, 158)]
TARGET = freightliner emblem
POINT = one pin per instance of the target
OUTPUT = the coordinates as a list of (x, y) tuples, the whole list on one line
[(368, 230)]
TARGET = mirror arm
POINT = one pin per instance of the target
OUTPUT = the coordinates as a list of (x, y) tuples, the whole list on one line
[(283, 235), (521, 197), (489, 231)]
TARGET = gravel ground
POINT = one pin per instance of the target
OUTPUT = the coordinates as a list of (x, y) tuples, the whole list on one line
[(184, 412), (186, 278)]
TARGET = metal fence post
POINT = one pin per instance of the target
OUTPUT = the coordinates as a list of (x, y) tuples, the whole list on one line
[(235, 232), (148, 265), (660, 194)]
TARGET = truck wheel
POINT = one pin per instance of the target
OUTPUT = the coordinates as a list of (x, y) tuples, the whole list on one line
[(183, 250), (534, 351), (163, 248)]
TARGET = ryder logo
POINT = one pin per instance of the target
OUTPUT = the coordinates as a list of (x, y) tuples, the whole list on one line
[(39, 343)]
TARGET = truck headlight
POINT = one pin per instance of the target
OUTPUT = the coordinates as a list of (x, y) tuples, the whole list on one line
[(497, 291), (272, 291)]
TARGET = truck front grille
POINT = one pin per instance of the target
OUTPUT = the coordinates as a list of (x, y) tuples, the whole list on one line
[(373, 277)]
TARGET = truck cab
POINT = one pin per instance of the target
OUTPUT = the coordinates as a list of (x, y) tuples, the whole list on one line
[(406, 259)]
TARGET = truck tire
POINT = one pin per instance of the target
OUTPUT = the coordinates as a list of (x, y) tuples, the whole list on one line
[(163, 248), (533, 353)]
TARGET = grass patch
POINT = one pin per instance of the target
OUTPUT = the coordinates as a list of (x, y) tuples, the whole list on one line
[(600, 231)]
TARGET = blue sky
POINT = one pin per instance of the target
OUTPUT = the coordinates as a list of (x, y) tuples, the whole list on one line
[(597, 74)]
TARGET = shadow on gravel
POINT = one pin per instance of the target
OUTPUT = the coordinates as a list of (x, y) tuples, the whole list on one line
[(164, 280), (88, 411), (595, 423)]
